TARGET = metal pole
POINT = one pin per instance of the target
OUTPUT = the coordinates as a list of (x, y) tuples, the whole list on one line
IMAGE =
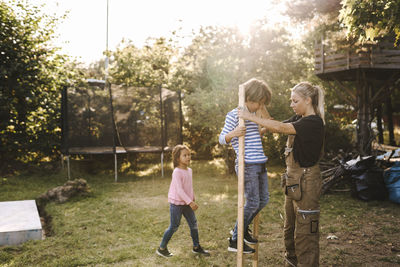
[(114, 131), (180, 118), (162, 164), (240, 185), (64, 126), (62, 161), (106, 61), (162, 130), (69, 172), (115, 167)]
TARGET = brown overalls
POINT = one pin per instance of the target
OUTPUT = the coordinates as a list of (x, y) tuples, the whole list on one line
[(302, 188)]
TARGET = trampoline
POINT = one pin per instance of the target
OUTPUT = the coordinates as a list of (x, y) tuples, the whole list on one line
[(100, 118)]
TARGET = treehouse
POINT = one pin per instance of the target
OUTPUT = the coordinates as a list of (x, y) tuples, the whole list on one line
[(371, 69)]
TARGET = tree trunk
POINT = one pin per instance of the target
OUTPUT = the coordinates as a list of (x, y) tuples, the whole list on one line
[(389, 113), (379, 122), (363, 119)]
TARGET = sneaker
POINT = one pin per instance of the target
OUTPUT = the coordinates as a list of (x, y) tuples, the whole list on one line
[(290, 262), (248, 238), (201, 251), (233, 247), (164, 252)]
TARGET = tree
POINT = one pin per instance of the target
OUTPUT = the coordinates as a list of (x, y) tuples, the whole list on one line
[(31, 77), (143, 71), (320, 19), (217, 61), (214, 63), (313, 10), (96, 70), (370, 19), (359, 25), (143, 67)]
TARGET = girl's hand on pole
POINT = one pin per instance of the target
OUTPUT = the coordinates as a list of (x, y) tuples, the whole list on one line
[(238, 131), (193, 206)]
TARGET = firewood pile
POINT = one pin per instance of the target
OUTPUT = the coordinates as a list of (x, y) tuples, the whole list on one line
[(332, 169)]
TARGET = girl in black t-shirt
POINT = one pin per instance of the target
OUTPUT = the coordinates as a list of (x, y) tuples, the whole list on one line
[(301, 182)]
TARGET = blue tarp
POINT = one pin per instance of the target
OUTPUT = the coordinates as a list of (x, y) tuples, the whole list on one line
[(392, 182), (396, 154)]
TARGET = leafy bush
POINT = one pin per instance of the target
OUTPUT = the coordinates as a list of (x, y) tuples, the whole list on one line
[(31, 77), (336, 135)]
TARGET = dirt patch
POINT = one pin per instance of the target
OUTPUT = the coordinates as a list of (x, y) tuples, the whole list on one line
[(371, 240), (59, 194)]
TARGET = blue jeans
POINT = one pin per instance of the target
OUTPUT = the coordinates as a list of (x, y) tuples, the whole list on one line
[(255, 192), (176, 212)]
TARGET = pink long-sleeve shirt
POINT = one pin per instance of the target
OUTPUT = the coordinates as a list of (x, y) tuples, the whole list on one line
[(181, 187)]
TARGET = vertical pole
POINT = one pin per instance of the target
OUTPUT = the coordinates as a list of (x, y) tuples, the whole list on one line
[(106, 62), (180, 118), (64, 124), (379, 122), (363, 116), (68, 171), (62, 161), (240, 185), (256, 223), (163, 143), (162, 164), (114, 132), (89, 105), (107, 59), (389, 114), (115, 167)]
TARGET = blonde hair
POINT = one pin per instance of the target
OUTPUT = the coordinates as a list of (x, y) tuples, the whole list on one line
[(255, 90), (176, 153), (316, 93)]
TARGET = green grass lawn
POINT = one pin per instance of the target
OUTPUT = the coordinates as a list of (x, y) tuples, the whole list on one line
[(121, 224)]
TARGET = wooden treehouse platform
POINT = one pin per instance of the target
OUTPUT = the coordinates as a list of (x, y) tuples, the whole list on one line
[(371, 71), (378, 62)]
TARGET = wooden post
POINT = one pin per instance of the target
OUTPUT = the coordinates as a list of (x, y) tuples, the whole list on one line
[(389, 114), (379, 122), (240, 218), (363, 118), (256, 223)]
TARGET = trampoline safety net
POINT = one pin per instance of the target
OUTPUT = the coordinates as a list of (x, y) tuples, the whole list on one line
[(138, 119), (143, 122)]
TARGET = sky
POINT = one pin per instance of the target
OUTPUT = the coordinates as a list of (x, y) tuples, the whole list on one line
[(82, 34)]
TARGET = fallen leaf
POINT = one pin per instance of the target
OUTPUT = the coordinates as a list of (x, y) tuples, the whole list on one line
[(332, 237)]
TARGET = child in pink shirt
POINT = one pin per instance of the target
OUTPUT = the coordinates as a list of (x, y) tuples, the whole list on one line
[(181, 201)]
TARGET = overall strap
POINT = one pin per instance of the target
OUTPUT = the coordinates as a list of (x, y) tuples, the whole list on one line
[(289, 144)]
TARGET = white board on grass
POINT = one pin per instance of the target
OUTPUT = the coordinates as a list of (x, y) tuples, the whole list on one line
[(19, 222)]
